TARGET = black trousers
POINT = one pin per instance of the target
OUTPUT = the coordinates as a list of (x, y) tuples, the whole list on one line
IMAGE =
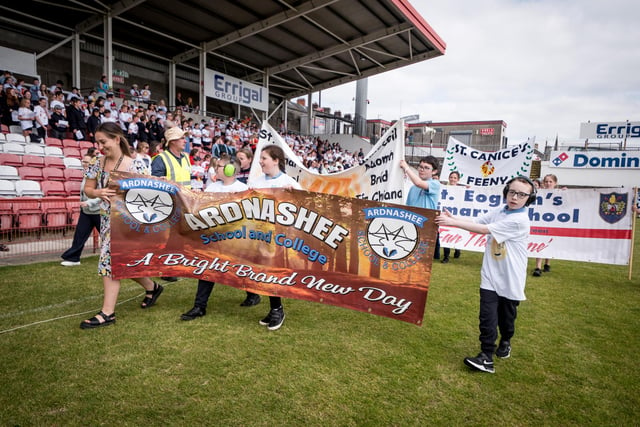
[(496, 313), (205, 288), (84, 228)]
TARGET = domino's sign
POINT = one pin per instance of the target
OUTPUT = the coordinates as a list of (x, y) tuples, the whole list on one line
[(610, 130), (595, 159)]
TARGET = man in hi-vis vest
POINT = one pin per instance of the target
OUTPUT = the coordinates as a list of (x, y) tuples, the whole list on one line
[(173, 163)]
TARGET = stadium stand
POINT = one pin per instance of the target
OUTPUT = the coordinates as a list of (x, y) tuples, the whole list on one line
[(70, 143)]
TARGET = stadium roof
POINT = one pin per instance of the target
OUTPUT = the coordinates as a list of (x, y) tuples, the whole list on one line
[(304, 46)]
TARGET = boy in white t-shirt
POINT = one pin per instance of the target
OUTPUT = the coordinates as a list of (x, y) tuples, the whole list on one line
[(504, 268)]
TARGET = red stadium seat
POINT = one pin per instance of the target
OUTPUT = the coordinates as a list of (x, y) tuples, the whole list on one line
[(53, 142), (53, 188), (8, 159), (27, 213), (30, 173), (6, 215), (84, 145), (33, 161), (54, 212), (54, 162), (73, 210), (72, 188), (72, 152), (70, 143), (73, 174), (53, 174), (5, 129)]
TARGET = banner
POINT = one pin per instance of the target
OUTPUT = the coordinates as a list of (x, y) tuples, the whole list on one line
[(359, 254), (592, 225), (481, 168), (610, 130), (379, 178)]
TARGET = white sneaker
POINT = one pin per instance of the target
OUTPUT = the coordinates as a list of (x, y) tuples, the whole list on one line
[(70, 263)]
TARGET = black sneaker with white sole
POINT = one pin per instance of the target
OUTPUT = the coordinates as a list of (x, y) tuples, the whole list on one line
[(481, 362), (274, 319), (504, 350)]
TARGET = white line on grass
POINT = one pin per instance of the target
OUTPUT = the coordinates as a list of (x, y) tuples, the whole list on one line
[(38, 309)]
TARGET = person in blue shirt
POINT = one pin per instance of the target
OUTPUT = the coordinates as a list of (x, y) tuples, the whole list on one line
[(425, 192)]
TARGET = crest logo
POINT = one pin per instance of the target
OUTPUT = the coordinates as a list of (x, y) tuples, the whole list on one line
[(393, 232), (149, 206), (148, 201), (613, 207)]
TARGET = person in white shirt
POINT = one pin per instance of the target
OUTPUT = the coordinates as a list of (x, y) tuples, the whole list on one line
[(124, 118), (42, 117), (504, 268), (145, 93), (26, 116), (272, 162)]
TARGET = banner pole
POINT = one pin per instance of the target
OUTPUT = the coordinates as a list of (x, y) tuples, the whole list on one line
[(633, 229)]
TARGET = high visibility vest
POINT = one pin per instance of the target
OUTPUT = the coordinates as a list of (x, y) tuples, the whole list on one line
[(177, 171)]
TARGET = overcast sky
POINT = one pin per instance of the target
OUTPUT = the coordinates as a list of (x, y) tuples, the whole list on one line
[(542, 66)]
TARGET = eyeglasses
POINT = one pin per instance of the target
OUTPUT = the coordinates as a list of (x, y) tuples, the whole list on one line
[(520, 194), (424, 168)]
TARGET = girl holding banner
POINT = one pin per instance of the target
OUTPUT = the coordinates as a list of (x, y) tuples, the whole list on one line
[(272, 162)]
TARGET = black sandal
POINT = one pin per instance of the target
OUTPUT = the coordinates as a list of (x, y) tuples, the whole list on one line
[(94, 322), (151, 296)]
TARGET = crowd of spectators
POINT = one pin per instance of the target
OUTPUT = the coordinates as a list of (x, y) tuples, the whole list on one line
[(61, 113)]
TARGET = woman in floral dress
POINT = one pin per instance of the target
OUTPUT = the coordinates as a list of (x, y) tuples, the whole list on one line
[(117, 157)]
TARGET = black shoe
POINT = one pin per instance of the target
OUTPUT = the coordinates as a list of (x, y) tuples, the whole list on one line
[(445, 260), (252, 299), (170, 279), (537, 272), (456, 253), (481, 362), (274, 319), (546, 268), (193, 313), (504, 350)]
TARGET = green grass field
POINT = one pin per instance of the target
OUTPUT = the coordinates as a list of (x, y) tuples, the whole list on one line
[(572, 364)]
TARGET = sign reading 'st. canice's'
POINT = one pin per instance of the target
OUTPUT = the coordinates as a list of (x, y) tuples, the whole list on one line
[(230, 89)]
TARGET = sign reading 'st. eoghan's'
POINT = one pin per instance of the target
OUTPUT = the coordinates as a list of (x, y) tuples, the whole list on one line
[(226, 88)]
